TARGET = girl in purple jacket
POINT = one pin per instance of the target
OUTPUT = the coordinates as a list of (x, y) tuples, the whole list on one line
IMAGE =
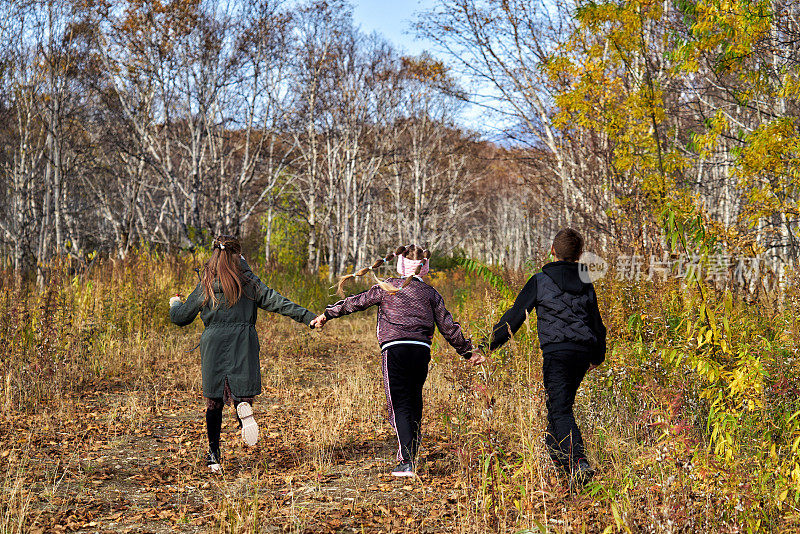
[(408, 312)]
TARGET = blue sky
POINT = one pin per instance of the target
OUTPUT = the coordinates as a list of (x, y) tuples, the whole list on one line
[(393, 19)]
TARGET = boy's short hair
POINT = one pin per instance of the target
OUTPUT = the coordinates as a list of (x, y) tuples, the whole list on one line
[(568, 245)]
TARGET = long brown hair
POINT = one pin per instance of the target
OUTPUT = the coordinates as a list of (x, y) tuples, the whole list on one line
[(223, 267), (411, 252)]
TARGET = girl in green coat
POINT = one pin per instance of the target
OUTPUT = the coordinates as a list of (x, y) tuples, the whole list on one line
[(227, 299)]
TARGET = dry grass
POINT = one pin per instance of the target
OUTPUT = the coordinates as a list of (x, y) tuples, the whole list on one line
[(101, 424), (15, 507)]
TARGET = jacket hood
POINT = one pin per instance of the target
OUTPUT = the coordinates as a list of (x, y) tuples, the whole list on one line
[(566, 276)]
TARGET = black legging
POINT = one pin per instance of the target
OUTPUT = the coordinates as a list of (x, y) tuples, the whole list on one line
[(562, 373), (214, 413), (405, 369), (213, 427)]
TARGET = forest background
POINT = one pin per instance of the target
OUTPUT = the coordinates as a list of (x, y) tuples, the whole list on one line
[(130, 124)]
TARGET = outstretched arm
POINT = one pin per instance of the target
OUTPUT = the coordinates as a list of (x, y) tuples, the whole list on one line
[(512, 319), (450, 329), (270, 300), (355, 303), (596, 323), (183, 313)]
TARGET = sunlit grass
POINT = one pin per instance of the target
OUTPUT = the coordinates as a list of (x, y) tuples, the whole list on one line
[(645, 420)]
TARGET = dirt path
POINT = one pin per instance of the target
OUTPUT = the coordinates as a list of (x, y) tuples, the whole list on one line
[(127, 456)]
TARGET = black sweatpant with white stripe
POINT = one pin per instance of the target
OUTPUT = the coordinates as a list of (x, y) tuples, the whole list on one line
[(405, 368)]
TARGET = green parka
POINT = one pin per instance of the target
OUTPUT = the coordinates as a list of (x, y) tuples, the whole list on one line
[(229, 344)]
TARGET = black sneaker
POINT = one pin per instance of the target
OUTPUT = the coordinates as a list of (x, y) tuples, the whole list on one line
[(404, 469), (214, 460), (582, 472)]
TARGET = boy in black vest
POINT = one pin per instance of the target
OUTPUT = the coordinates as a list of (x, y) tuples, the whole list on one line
[(573, 341)]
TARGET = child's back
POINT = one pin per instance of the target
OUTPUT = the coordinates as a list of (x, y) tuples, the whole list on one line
[(572, 338), (227, 299), (409, 311), (408, 315), (229, 345), (568, 318)]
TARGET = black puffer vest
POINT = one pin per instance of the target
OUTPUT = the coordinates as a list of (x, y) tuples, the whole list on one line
[(564, 308)]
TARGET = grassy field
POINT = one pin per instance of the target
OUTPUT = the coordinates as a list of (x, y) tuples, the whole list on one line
[(692, 421)]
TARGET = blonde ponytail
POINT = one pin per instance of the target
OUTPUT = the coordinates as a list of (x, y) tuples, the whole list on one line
[(361, 272), (409, 251)]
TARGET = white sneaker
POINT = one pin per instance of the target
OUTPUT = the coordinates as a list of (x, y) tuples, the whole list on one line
[(214, 461), (249, 426)]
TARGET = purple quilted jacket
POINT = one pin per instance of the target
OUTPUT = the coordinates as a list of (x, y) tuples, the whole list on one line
[(409, 315)]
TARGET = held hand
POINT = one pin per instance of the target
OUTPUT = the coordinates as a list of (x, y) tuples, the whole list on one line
[(477, 358), (319, 321)]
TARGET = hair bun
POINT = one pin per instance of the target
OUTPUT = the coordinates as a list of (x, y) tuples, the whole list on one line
[(227, 242)]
